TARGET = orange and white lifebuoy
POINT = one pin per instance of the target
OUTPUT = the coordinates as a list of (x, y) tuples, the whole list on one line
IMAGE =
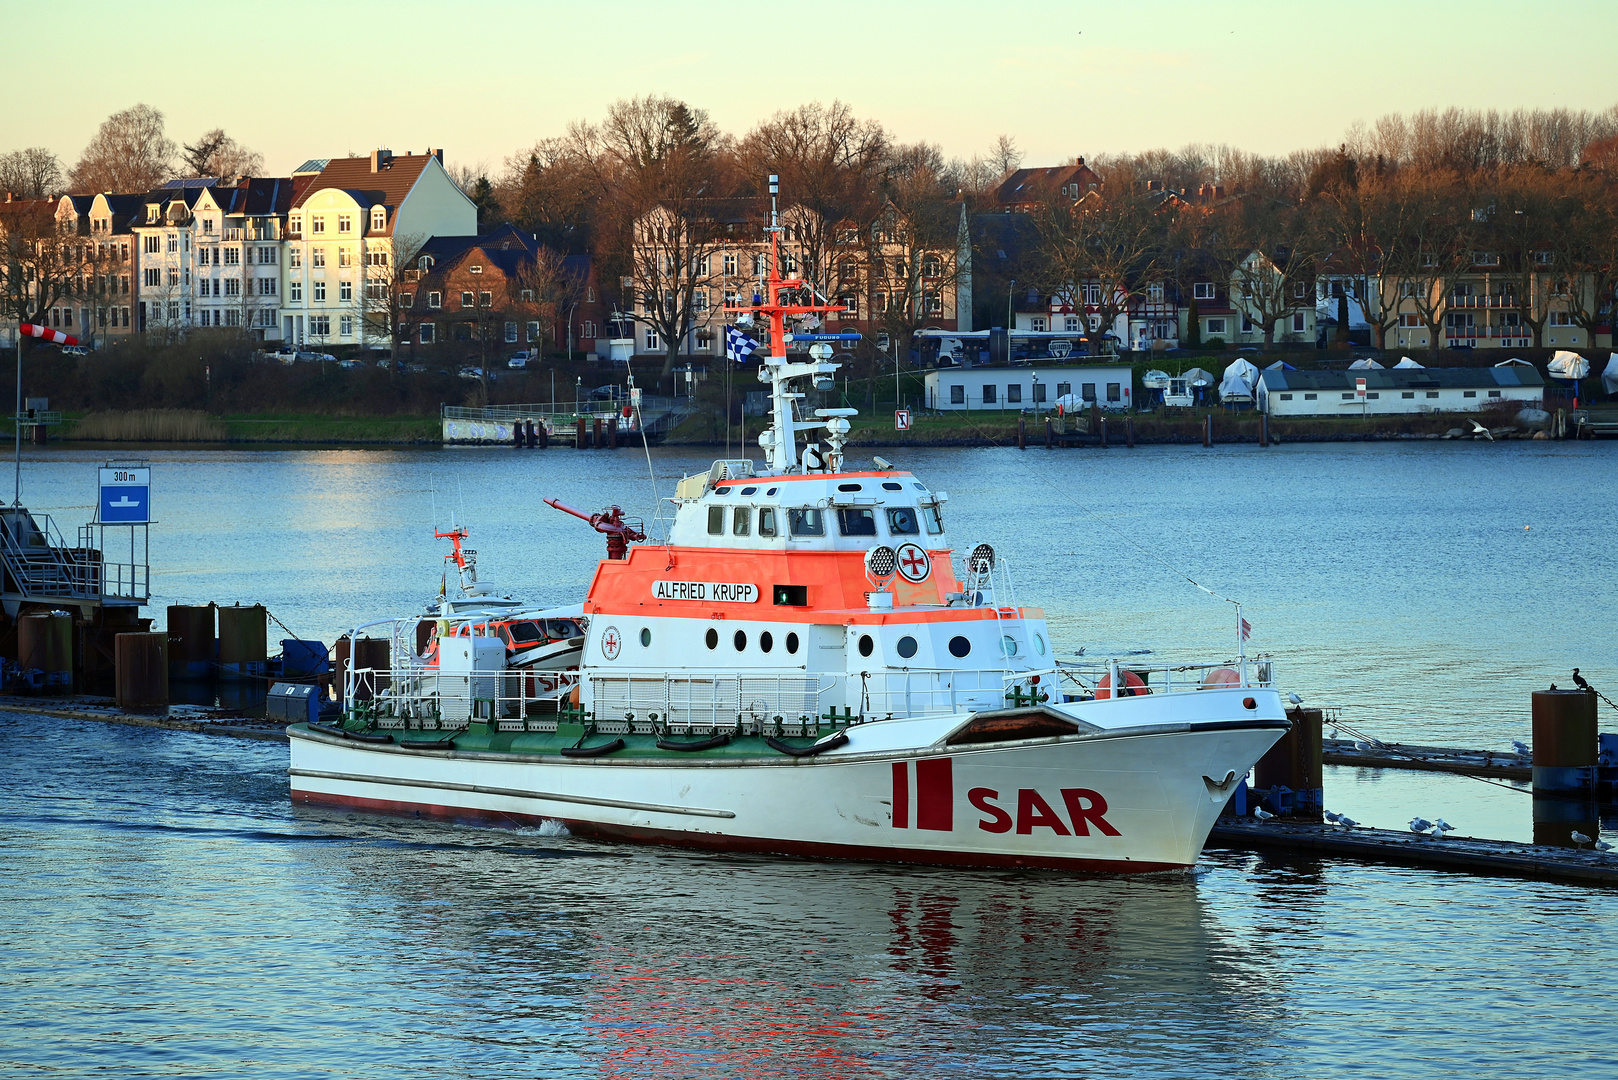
[(1220, 677), (1133, 684)]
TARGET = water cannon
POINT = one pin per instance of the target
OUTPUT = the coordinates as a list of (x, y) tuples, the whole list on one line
[(620, 531)]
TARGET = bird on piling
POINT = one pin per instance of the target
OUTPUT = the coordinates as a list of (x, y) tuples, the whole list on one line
[(1331, 817), (1296, 700), (1522, 748), (1420, 824), (1440, 827), (1262, 814), (1578, 680), (1602, 845), (1344, 819), (1579, 838)]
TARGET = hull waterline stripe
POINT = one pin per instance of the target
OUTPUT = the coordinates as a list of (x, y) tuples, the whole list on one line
[(547, 796)]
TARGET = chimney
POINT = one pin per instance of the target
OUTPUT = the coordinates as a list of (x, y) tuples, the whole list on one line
[(1219, 191), (380, 159), (439, 154)]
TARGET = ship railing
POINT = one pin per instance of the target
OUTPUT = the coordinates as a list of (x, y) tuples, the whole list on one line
[(1079, 680)]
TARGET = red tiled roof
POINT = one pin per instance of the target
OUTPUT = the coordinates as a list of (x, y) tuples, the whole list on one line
[(387, 185)]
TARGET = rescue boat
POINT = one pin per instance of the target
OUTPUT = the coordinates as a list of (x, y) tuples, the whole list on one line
[(805, 665)]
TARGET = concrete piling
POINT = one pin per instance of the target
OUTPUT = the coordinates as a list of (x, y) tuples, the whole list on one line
[(1289, 774)]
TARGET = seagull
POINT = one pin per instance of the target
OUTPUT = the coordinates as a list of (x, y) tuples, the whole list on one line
[(1578, 680), (1364, 747), (1264, 815), (1479, 429), (1344, 819), (1420, 824), (1522, 748), (1333, 818), (1440, 827), (1602, 845), (1579, 838), (1296, 700)]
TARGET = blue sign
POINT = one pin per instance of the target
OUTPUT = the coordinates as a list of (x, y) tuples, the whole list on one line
[(126, 496)]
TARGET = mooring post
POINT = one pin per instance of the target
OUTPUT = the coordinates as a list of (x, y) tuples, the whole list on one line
[(1047, 433), (1129, 432), (1288, 776), (1022, 432), (1565, 743), (1103, 426), (1264, 429), (1207, 430), (578, 434)]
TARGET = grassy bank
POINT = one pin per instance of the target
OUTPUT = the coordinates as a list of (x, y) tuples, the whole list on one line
[(187, 426)]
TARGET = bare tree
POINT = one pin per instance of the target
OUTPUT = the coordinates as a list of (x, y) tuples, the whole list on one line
[(30, 174), (43, 263), (217, 154), (1587, 253), (389, 308), (1268, 249), (1004, 155), (1102, 253), (912, 248), (129, 153)]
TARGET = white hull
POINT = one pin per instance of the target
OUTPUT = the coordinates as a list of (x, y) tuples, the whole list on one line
[(1135, 799)]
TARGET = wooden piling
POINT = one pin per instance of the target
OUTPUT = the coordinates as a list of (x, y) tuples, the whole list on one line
[(1103, 426), (1264, 429), (1048, 437), (1129, 433), (1207, 430), (1022, 432), (579, 436), (1565, 750), (1289, 773), (596, 442)]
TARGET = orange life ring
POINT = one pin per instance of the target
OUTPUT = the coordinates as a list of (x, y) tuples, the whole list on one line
[(1133, 684), (1220, 677)]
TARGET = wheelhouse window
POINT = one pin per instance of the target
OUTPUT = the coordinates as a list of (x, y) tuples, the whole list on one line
[(934, 519), (716, 521), (856, 521), (766, 521), (741, 522), (806, 521), (902, 521)]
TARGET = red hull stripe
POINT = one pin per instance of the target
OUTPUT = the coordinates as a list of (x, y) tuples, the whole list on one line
[(901, 795), (709, 842), (935, 795)]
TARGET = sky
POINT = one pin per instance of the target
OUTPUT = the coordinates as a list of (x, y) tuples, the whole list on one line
[(317, 78)]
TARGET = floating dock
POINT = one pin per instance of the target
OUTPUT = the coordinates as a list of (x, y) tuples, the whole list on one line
[(1496, 857), (1450, 759)]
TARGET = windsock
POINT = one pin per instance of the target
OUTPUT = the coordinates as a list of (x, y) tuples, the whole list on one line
[(48, 334)]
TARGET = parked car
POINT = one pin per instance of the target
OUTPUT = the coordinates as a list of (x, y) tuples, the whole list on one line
[(470, 372), (609, 392), (75, 350), (350, 363), (314, 357), (519, 360)]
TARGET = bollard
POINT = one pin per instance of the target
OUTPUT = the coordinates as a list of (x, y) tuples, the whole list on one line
[(1207, 430), (596, 442), (141, 672), (1129, 433), (542, 434), (612, 433), (1289, 773), (1103, 426), (1565, 743), (579, 436), (1022, 432), (1264, 429), (517, 439), (1047, 433)]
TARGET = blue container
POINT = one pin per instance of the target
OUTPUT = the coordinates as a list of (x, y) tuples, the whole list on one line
[(304, 659), (296, 703)]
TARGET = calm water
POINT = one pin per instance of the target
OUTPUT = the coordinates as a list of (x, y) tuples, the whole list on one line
[(167, 913)]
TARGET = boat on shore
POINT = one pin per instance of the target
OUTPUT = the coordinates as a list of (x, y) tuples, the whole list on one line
[(805, 666)]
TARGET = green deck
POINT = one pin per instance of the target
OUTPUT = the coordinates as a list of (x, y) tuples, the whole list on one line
[(481, 738)]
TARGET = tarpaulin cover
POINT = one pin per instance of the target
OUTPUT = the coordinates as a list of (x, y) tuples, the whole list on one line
[(1239, 379), (1198, 377), (1567, 365), (1609, 377), (1365, 365), (1406, 362)]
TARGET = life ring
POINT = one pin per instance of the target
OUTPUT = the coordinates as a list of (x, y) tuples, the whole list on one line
[(1133, 684), (1221, 677)]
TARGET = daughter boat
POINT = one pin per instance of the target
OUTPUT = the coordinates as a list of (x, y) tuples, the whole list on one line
[(801, 668)]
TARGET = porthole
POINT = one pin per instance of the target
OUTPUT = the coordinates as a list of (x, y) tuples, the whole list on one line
[(740, 639), (792, 644), (866, 645), (958, 646), (1008, 645), (849, 487), (766, 641), (772, 491), (892, 487), (713, 638), (645, 636), (749, 491), (907, 647), (1039, 644)]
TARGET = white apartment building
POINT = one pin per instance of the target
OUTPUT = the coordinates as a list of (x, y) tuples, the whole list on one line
[(236, 238), (346, 216), (164, 255)]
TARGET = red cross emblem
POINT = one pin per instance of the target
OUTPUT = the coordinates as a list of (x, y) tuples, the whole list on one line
[(914, 565)]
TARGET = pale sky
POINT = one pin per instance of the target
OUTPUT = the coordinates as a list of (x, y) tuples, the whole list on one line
[(299, 79)]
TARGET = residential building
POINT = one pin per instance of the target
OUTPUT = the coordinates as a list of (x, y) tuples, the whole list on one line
[(48, 265), (236, 239), (112, 221), (1396, 391), (343, 229), (165, 256), (1032, 388), (1024, 190)]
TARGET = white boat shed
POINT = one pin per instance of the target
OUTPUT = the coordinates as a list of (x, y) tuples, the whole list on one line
[(1396, 391), (1028, 388)]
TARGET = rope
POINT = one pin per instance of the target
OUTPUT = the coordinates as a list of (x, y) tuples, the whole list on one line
[(1380, 745)]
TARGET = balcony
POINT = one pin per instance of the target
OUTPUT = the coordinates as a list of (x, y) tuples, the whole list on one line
[(1488, 301), (233, 234)]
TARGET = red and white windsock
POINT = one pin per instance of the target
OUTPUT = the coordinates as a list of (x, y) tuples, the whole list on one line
[(48, 334)]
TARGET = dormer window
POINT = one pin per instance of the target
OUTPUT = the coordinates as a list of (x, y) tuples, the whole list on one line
[(425, 263), (151, 215), (379, 219)]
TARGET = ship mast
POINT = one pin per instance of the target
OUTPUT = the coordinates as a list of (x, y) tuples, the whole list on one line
[(781, 298)]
